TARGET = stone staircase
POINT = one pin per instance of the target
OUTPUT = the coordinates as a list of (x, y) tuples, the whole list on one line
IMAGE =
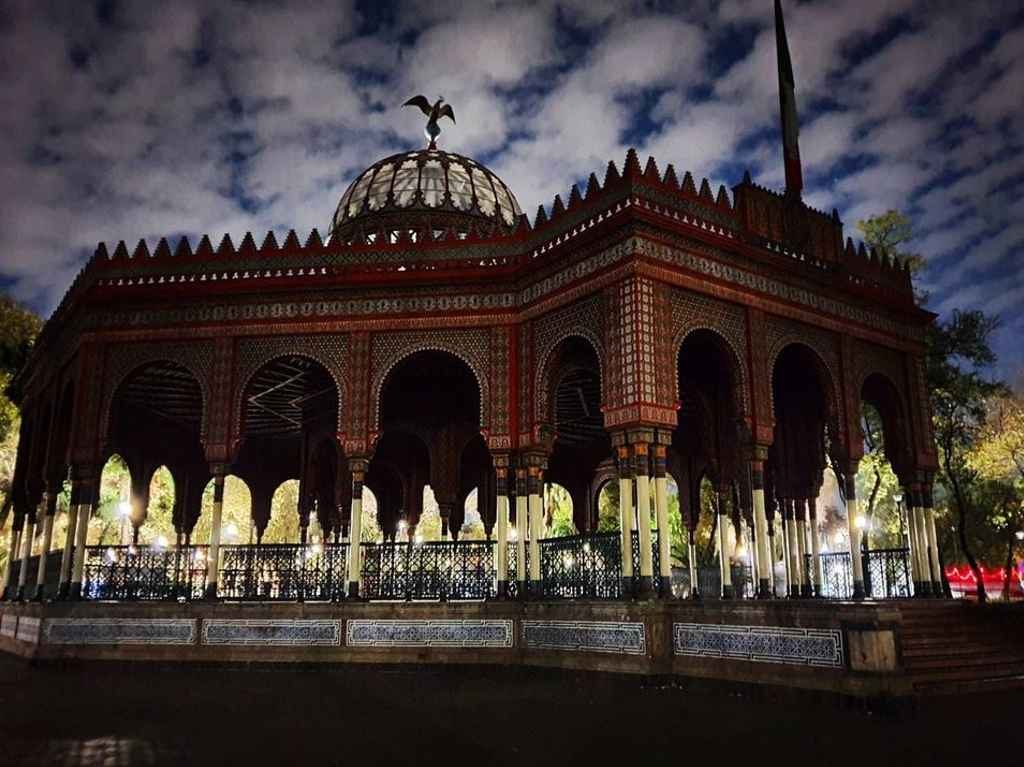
[(955, 646)]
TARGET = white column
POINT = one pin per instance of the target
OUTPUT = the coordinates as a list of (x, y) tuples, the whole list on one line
[(522, 532), (786, 563), (68, 553), (213, 562), (921, 553), (933, 547), (852, 513), (764, 554), (12, 556), (355, 552), (501, 542), (664, 534), (801, 545), (691, 555), (536, 527), (626, 524), (82, 533), (27, 534), (643, 513), (912, 543), (724, 567), (47, 507), (750, 546), (796, 579), (812, 528)]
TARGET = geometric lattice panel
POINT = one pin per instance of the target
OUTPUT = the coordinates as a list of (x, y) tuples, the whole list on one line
[(8, 625), (429, 633), (141, 631), (269, 633), (761, 644), (28, 629), (586, 636)]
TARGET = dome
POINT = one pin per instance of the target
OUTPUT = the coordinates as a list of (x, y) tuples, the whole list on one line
[(426, 188)]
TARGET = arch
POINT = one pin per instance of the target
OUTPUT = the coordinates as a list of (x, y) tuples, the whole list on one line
[(268, 364), (741, 380), (826, 367), (108, 523), (237, 523), (256, 354), (414, 346), (543, 406), (880, 392), (126, 361)]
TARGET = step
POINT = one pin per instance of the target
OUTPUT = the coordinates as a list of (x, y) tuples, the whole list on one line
[(966, 674), (947, 662)]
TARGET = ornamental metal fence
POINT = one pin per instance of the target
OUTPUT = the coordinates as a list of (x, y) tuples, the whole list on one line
[(144, 573), (283, 572), (655, 560), (886, 574), (435, 570), (587, 566)]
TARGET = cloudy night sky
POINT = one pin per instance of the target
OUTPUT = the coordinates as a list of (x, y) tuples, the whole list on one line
[(128, 120)]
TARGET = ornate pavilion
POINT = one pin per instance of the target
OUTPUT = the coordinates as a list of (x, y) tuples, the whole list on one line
[(644, 328)]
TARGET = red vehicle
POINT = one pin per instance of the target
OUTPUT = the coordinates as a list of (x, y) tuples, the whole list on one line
[(963, 583)]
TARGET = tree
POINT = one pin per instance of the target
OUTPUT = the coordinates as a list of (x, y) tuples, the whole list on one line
[(957, 351), (18, 330), (886, 233)]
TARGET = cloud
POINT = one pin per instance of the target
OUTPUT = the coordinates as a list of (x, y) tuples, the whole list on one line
[(136, 120)]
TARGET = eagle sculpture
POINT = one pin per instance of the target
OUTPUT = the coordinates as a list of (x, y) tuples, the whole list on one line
[(434, 113)]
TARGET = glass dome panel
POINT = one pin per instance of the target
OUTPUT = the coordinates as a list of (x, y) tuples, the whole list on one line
[(355, 202), (381, 185), (504, 203), (459, 186), (484, 192), (407, 179), (432, 183)]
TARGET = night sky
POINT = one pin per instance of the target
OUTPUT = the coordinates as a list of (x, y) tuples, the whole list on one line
[(123, 120)]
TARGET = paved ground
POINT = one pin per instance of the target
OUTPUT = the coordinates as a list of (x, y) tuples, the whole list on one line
[(141, 715)]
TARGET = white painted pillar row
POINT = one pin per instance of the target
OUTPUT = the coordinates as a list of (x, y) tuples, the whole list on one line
[(626, 520), (723, 547), (47, 507), (82, 536), (852, 515), (13, 553), (213, 563), (69, 551), (27, 534), (765, 558)]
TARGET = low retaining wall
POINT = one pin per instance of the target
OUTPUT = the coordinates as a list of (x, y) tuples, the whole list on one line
[(844, 648)]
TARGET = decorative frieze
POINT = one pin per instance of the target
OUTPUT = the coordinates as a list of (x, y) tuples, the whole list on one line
[(586, 636), (429, 633), (760, 644), (135, 631), (271, 633), (28, 629)]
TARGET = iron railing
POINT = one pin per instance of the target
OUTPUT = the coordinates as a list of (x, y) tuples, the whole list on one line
[(585, 566), (144, 573), (443, 570), (283, 572), (886, 574)]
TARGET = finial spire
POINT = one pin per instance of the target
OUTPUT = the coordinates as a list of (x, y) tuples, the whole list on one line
[(434, 112), (787, 104)]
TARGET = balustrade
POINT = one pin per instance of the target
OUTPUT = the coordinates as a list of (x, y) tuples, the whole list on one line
[(143, 573), (456, 570)]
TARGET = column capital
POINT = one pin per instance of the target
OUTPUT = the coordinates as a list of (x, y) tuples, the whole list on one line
[(642, 436)]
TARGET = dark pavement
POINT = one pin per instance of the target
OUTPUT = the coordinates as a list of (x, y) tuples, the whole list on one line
[(190, 715)]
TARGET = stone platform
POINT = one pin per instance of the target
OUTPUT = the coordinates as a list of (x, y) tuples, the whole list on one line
[(853, 649)]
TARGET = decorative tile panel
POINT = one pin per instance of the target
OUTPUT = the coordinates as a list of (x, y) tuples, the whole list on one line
[(586, 636), (28, 629), (429, 633), (760, 644), (8, 625), (143, 631), (269, 633)]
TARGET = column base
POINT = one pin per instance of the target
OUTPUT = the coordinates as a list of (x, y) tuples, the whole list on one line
[(626, 587), (353, 590), (62, 591), (536, 591), (210, 592), (728, 591), (40, 593), (502, 592), (858, 591), (794, 591), (521, 594), (926, 589), (645, 587), (764, 590), (75, 592), (20, 595), (806, 591), (938, 592), (665, 587)]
